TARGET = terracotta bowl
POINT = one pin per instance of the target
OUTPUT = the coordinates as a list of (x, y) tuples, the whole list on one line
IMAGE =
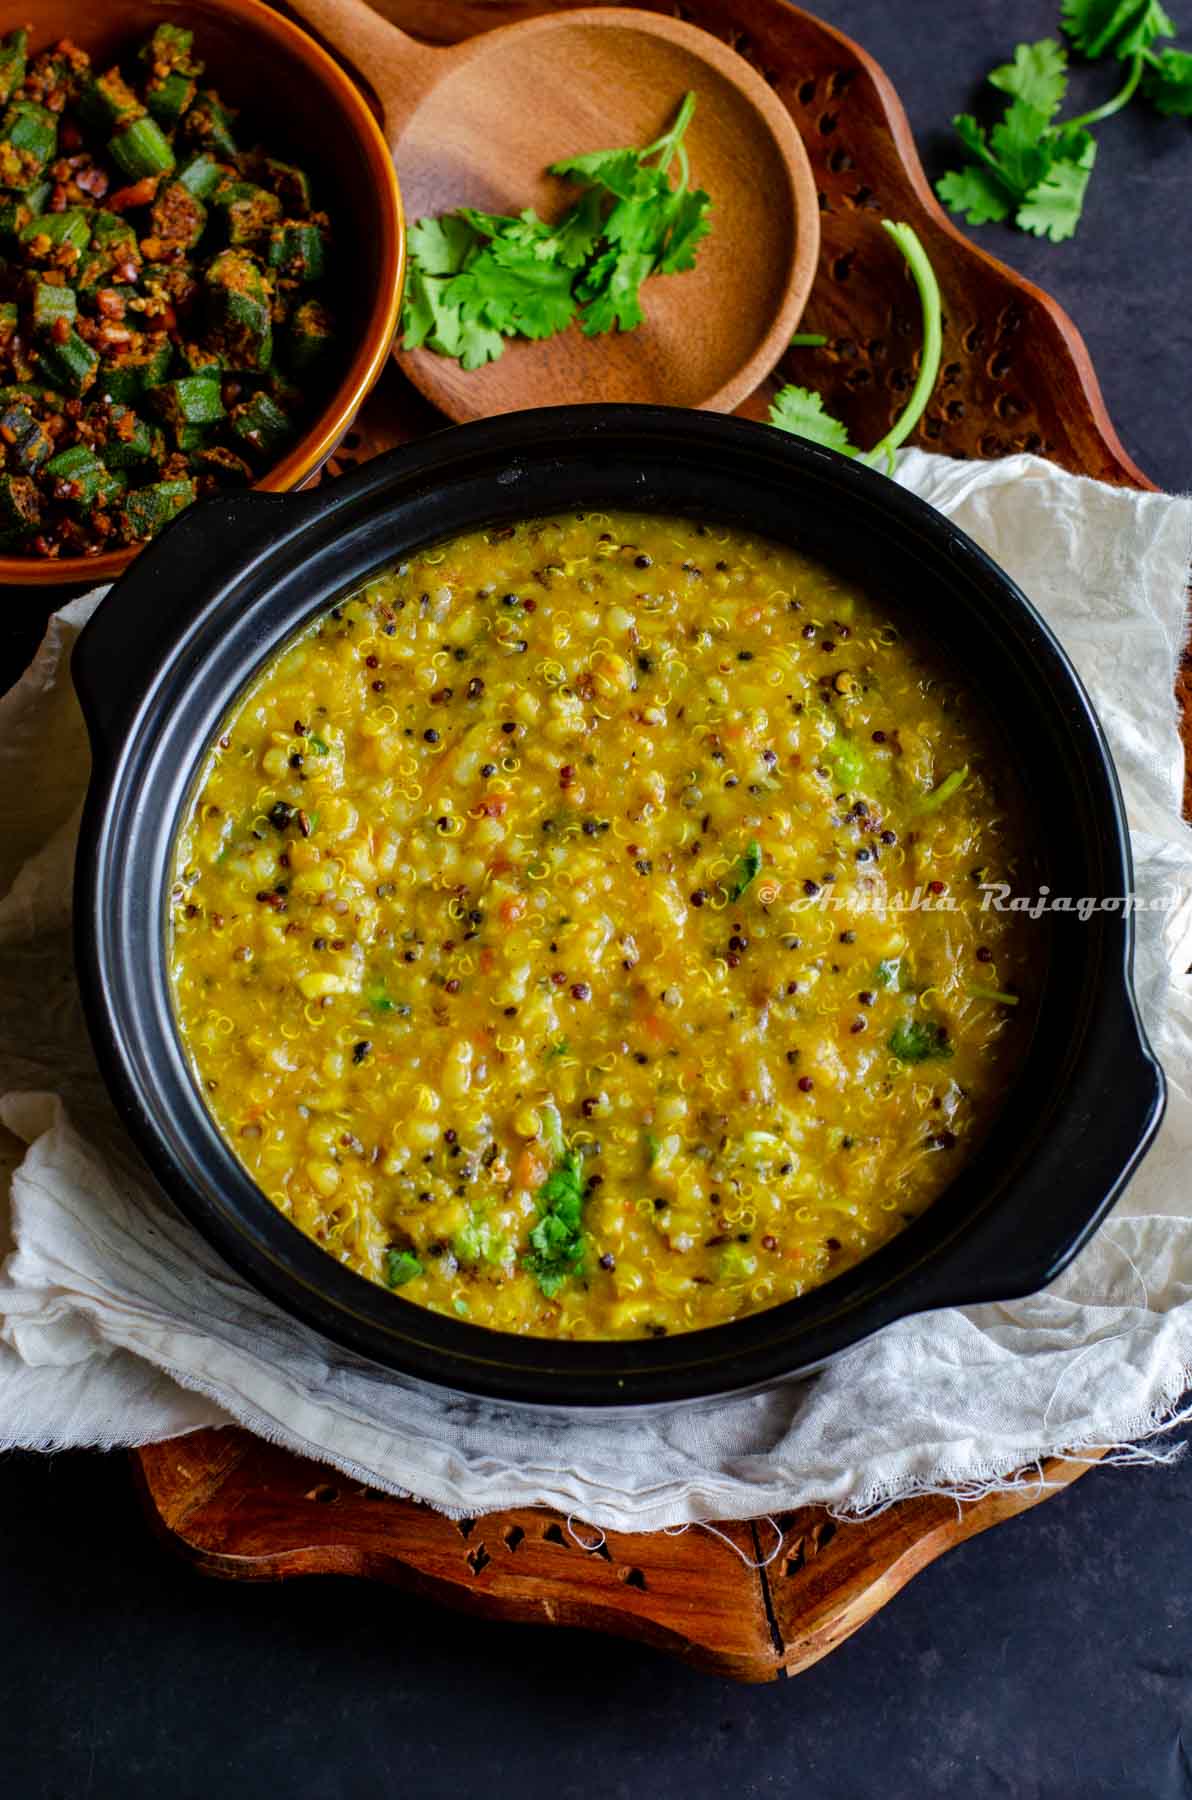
[(300, 103)]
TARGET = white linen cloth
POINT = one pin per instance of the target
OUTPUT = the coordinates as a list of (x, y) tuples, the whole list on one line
[(118, 1325)]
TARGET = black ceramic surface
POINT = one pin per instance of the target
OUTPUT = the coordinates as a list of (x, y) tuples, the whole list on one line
[(181, 635)]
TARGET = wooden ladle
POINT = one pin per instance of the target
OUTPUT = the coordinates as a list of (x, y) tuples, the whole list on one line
[(477, 125)]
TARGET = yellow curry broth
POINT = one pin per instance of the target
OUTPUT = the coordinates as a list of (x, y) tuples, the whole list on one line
[(536, 938)]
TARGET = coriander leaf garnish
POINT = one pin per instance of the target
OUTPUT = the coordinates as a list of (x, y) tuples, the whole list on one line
[(916, 1040), (801, 412), (1053, 206), (747, 868), (1115, 27), (476, 279), (1038, 75), (556, 1241), (1033, 167), (401, 1266), (977, 193), (1167, 83)]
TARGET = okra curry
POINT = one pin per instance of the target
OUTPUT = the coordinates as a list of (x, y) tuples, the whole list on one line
[(164, 330), (583, 929)]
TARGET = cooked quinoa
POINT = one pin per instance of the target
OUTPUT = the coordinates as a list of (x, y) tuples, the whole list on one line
[(535, 930)]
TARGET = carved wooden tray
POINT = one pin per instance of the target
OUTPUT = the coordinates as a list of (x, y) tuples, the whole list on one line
[(1016, 376)]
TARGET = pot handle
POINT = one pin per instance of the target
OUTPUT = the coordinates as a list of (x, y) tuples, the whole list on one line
[(148, 613), (1007, 1255)]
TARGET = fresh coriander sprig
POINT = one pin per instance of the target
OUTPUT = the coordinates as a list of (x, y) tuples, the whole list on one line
[(557, 1241), (476, 279), (801, 412), (1033, 167)]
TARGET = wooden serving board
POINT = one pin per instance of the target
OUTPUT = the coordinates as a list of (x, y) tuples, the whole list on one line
[(1016, 376)]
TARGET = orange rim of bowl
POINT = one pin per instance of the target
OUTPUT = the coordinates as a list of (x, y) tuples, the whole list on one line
[(313, 449)]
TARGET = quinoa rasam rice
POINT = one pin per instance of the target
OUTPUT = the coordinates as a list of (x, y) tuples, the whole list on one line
[(542, 927)]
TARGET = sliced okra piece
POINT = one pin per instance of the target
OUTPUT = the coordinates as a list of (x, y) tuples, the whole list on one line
[(14, 216), (28, 442), (291, 185), (28, 139), (202, 174), (176, 216), (113, 248), (53, 304), (141, 150), (81, 479), (190, 400), (239, 311), (69, 366), (176, 283), (50, 231), (248, 211), (135, 371), (108, 104), (37, 197), (209, 122), (132, 442), (111, 232), (287, 393), (228, 468), (169, 97), (20, 504), (199, 360), (261, 423), (192, 438), (309, 332), (28, 393), (147, 509), (297, 250), (12, 64), (170, 48)]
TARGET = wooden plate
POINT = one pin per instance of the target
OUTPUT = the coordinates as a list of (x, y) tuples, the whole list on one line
[(1016, 376)]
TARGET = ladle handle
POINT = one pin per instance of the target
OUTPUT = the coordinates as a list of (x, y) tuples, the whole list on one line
[(399, 70)]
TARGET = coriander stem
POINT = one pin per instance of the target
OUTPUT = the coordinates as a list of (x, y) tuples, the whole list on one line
[(929, 357), (669, 139), (1122, 98), (991, 162), (808, 340)]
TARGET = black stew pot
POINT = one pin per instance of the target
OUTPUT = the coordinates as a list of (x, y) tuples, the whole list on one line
[(177, 640)]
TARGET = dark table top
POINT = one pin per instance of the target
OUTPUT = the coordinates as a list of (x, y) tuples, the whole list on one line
[(1048, 1660)]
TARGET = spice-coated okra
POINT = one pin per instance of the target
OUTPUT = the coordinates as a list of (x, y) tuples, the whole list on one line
[(163, 326)]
